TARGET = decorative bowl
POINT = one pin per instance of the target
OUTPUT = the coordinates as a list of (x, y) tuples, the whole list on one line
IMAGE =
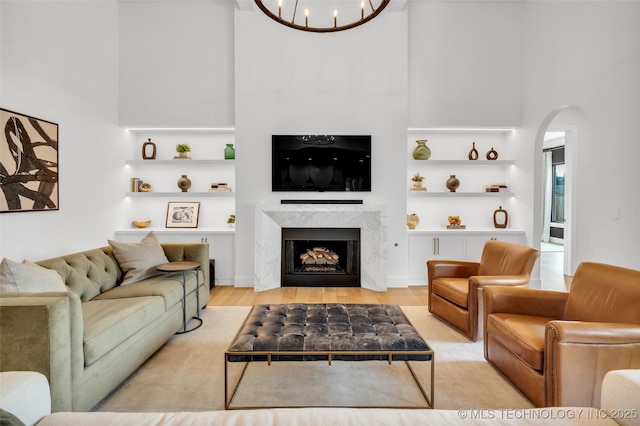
[(141, 224)]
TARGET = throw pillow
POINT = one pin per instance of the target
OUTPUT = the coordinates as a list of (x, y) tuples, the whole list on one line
[(138, 261), (27, 277)]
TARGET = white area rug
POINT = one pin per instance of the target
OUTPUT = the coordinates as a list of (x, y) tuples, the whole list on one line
[(187, 374)]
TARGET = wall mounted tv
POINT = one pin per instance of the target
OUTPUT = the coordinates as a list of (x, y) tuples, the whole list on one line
[(321, 163)]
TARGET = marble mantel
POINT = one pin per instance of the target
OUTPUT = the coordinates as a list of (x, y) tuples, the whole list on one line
[(270, 219)]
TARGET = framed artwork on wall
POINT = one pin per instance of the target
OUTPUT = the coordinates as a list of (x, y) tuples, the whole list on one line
[(182, 215), (28, 163)]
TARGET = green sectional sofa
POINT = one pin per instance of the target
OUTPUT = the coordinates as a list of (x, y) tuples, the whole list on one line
[(87, 340)]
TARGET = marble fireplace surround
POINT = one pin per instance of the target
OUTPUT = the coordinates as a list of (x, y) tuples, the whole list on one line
[(270, 219)]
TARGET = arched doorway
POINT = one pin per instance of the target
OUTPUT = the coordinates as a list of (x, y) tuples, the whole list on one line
[(573, 121)]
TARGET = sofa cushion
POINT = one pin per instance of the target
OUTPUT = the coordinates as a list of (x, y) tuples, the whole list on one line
[(455, 290), (523, 335), (86, 273), (168, 286), (107, 323), (28, 277), (138, 260)]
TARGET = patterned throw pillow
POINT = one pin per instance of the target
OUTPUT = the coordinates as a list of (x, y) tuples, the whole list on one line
[(138, 261)]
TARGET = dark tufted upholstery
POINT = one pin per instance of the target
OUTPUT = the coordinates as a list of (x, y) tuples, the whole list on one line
[(324, 328)]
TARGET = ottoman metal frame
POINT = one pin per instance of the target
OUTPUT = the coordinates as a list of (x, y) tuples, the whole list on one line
[(325, 355)]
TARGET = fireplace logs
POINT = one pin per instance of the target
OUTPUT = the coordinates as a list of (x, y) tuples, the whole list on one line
[(319, 259), (327, 257)]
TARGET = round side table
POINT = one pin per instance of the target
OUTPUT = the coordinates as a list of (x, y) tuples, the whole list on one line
[(185, 267)]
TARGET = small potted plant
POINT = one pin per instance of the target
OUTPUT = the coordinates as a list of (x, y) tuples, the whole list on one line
[(417, 180), (231, 220), (182, 149)]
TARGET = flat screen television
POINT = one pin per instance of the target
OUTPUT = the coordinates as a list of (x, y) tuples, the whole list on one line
[(321, 163)]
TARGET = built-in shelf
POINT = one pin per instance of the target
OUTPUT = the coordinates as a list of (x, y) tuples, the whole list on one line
[(219, 130), (474, 130), (467, 162), (177, 162), (196, 231), (460, 194), (468, 230), (180, 194), (450, 148)]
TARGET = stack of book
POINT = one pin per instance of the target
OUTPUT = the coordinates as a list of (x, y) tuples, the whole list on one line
[(497, 187), (219, 187), (135, 184)]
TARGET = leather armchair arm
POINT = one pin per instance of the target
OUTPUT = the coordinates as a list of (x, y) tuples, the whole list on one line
[(579, 354), (509, 280), (451, 269), (524, 301), (480, 281), (593, 333)]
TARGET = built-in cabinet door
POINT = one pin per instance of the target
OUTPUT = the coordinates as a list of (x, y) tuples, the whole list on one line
[(451, 245), (426, 247), (475, 243)]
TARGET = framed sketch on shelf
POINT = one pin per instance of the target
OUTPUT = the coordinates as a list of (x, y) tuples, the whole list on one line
[(182, 215), (28, 163)]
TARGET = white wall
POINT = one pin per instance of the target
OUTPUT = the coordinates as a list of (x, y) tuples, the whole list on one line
[(176, 63), (588, 56), (60, 63), (434, 64), (465, 64), (293, 82)]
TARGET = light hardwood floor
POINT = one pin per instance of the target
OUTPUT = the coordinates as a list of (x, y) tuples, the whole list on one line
[(232, 296)]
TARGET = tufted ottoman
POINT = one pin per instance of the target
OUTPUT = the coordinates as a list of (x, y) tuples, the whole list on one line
[(344, 332)]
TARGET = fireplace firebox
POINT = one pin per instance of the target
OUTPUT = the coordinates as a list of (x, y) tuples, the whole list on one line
[(320, 257)]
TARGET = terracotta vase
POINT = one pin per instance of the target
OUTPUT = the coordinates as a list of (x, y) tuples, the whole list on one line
[(184, 183), (453, 183)]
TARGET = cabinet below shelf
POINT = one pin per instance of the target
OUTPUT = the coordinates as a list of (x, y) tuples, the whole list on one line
[(460, 194), (221, 240), (180, 194), (432, 243)]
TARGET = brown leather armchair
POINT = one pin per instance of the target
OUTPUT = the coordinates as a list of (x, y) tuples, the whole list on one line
[(453, 285), (556, 347)]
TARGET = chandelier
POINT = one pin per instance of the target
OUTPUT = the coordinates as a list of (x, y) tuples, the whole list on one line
[(318, 139), (322, 16)]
